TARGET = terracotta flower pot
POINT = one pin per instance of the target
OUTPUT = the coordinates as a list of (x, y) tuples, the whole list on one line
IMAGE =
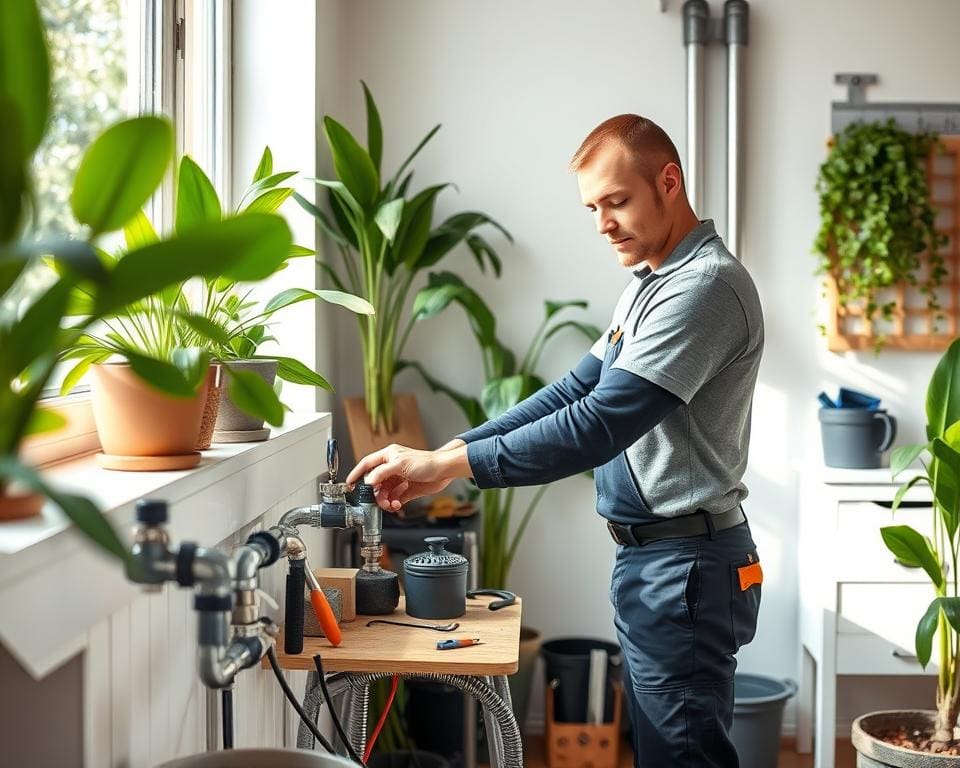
[(133, 419), (211, 406), (14, 506)]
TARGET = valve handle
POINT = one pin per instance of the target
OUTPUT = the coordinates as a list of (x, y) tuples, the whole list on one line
[(325, 616), (333, 460), (293, 623)]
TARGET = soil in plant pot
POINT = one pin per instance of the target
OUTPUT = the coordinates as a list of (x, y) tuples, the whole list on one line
[(912, 738)]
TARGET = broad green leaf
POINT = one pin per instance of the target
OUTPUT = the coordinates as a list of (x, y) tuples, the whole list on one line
[(120, 171), (952, 435), (206, 327), (343, 195), (79, 370), (943, 393), (197, 200), (348, 224), (352, 163), (36, 331), (24, 75), (44, 420), (81, 511), (374, 128), (500, 395), (321, 218), (292, 370), (269, 201), (926, 628), (481, 318), (295, 295), (416, 151), (946, 483), (245, 248), (552, 307), (12, 265), (902, 491), (431, 301), (482, 251), (588, 330), (265, 167), (267, 183), (253, 395), (163, 376), (470, 406), (68, 258), (193, 363), (415, 226), (296, 251), (388, 218), (904, 456), (139, 232), (452, 232), (913, 550)]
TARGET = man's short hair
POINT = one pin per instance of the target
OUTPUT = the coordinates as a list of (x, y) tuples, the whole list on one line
[(644, 139)]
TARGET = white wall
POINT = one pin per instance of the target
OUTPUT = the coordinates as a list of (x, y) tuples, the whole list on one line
[(517, 86)]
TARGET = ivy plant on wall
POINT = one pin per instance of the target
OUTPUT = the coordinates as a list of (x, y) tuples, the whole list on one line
[(876, 219)]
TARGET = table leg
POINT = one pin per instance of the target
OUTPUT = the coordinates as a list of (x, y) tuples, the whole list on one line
[(494, 743), (805, 703)]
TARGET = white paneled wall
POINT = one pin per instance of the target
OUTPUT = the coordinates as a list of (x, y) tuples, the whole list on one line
[(143, 701)]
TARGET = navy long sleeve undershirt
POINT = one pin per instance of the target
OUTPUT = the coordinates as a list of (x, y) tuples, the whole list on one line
[(577, 423)]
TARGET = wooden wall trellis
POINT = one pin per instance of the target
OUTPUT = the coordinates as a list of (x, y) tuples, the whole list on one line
[(913, 325)]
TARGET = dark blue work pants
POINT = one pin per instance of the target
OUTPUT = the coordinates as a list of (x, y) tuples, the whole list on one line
[(681, 615)]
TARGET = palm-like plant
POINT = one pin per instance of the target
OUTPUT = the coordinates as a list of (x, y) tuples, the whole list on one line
[(506, 384), (386, 238)]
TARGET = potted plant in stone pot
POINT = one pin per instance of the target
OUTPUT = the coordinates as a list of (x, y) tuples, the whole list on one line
[(386, 238), (928, 738), (877, 225), (218, 315), (506, 383)]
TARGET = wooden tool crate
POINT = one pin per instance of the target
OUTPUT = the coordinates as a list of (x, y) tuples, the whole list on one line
[(584, 745)]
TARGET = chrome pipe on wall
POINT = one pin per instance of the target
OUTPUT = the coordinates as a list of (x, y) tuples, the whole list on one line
[(736, 21), (696, 37)]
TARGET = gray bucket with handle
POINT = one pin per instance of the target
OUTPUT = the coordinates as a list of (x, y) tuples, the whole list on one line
[(758, 703), (855, 438)]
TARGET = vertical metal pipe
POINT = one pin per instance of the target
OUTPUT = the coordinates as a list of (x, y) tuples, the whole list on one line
[(696, 36), (736, 18)]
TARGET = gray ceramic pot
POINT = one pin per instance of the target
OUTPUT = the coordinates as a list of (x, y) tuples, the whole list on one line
[(436, 582), (229, 417), (854, 437), (873, 753)]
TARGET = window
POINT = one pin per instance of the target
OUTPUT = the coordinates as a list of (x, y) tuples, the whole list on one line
[(115, 58)]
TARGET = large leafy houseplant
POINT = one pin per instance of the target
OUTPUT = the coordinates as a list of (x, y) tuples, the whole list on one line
[(386, 238), (119, 172), (937, 555), (171, 337), (506, 383), (876, 219)]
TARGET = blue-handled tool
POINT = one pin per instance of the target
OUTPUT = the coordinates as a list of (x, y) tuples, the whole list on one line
[(462, 642)]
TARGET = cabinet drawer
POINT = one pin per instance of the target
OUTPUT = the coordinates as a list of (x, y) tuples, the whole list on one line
[(859, 550), (889, 612), (872, 655)]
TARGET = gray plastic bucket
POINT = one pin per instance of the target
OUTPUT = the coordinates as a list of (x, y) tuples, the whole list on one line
[(758, 704)]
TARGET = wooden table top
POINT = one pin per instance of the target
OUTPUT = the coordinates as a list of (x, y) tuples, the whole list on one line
[(388, 648)]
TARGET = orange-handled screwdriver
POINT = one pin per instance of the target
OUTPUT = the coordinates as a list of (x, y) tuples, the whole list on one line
[(321, 607)]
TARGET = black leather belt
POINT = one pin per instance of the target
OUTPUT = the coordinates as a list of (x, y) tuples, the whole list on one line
[(696, 524)]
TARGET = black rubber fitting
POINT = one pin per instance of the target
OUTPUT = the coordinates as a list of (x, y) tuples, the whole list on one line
[(213, 602), (365, 494), (270, 542), (185, 557), (151, 511), (333, 515), (293, 623)]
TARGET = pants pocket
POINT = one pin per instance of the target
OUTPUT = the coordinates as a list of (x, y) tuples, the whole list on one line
[(746, 579)]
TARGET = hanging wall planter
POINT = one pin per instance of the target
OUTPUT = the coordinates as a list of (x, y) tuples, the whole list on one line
[(141, 428), (234, 425)]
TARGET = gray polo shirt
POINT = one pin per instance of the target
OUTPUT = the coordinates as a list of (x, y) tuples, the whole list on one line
[(695, 328)]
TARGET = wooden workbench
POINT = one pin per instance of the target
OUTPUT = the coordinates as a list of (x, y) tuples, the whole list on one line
[(405, 650)]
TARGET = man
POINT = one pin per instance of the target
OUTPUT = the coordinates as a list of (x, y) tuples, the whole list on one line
[(661, 408)]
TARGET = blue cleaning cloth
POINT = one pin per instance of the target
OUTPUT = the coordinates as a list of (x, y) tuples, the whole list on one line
[(850, 398)]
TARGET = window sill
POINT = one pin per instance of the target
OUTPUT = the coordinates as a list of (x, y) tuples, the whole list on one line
[(55, 585)]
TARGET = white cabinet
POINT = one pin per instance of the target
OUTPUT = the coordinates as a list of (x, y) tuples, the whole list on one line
[(859, 608)]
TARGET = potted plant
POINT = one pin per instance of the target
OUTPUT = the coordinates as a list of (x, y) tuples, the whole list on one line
[(506, 383), (386, 238), (35, 332), (932, 732), (876, 220), (218, 315), (148, 405)]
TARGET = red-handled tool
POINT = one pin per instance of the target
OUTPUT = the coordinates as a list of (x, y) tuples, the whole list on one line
[(321, 607)]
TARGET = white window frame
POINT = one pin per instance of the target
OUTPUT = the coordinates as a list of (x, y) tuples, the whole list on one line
[(189, 45)]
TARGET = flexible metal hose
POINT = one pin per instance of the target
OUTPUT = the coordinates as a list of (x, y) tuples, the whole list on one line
[(497, 704)]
